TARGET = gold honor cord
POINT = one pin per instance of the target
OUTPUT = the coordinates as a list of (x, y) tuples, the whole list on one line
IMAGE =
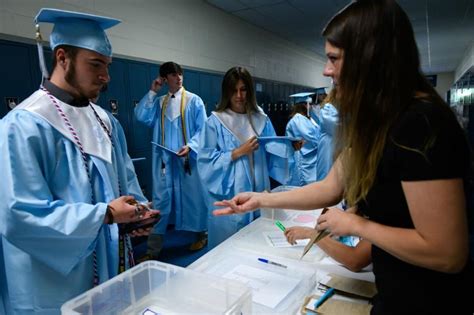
[(187, 167)]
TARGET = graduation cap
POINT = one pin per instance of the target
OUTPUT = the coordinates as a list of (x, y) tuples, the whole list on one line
[(74, 29), (280, 146), (303, 97), (322, 90)]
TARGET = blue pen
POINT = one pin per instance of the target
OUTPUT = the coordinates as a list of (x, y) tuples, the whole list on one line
[(323, 298), (271, 262)]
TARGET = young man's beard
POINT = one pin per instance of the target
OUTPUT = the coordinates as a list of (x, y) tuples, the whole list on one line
[(70, 78)]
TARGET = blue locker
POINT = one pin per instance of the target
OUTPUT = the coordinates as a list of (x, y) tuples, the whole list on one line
[(142, 163), (154, 72), (35, 68), (260, 94), (268, 92), (205, 84), (115, 99), (286, 92), (139, 84), (216, 87), (17, 74)]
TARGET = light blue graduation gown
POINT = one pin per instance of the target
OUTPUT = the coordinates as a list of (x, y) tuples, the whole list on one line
[(304, 172), (225, 178), (315, 113), (178, 195), (329, 120), (49, 228)]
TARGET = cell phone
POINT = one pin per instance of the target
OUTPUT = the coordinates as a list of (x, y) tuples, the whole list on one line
[(141, 224)]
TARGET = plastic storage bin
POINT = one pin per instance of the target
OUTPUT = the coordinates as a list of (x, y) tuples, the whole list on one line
[(158, 288), (301, 274)]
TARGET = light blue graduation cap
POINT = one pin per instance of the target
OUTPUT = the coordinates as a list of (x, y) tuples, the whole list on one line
[(74, 29), (303, 97)]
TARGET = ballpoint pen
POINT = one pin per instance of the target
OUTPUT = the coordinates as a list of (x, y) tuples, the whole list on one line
[(271, 262), (324, 297), (280, 226)]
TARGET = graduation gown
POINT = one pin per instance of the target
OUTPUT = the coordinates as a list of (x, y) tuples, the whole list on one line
[(329, 120), (304, 171), (49, 227), (225, 178), (178, 195)]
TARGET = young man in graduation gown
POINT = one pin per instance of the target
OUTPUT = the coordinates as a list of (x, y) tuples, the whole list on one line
[(176, 118), (67, 177)]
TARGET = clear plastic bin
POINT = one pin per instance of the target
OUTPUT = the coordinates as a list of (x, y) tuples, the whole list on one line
[(301, 274), (157, 288)]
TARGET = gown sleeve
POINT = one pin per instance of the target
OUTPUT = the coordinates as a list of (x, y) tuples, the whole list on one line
[(147, 109), (215, 165), (199, 119), (301, 127)]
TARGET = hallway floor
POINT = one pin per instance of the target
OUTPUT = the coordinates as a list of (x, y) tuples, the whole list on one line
[(175, 249)]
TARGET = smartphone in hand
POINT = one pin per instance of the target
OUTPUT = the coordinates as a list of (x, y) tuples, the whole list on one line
[(141, 224)]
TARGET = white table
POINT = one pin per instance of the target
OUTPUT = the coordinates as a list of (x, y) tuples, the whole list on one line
[(250, 243)]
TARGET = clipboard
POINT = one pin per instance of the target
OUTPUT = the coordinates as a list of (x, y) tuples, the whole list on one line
[(334, 307), (315, 238), (165, 148)]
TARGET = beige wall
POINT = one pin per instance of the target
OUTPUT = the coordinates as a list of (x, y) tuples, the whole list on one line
[(190, 32)]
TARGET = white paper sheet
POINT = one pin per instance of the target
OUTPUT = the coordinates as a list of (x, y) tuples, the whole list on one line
[(268, 288), (278, 239)]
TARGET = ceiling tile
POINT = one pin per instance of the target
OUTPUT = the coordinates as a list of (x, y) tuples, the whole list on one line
[(449, 24)]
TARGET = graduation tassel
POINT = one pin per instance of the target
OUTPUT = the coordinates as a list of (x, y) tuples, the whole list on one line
[(39, 44)]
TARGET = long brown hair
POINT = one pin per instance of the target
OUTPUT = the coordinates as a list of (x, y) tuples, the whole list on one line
[(299, 108), (330, 98), (379, 78), (229, 83)]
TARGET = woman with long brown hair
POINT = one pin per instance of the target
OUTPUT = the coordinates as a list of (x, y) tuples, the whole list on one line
[(403, 163), (230, 159)]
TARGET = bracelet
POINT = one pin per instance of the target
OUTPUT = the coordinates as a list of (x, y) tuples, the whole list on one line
[(109, 215)]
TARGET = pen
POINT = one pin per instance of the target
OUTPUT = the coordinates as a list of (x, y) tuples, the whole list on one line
[(280, 226), (271, 262), (323, 298)]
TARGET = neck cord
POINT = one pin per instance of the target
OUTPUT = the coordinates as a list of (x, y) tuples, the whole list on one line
[(86, 166), (187, 167)]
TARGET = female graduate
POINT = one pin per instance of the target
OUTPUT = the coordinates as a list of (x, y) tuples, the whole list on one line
[(302, 126), (230, 159), (329, 118)]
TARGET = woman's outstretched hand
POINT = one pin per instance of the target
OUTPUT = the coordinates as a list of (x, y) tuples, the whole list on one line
[(241, 203)]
